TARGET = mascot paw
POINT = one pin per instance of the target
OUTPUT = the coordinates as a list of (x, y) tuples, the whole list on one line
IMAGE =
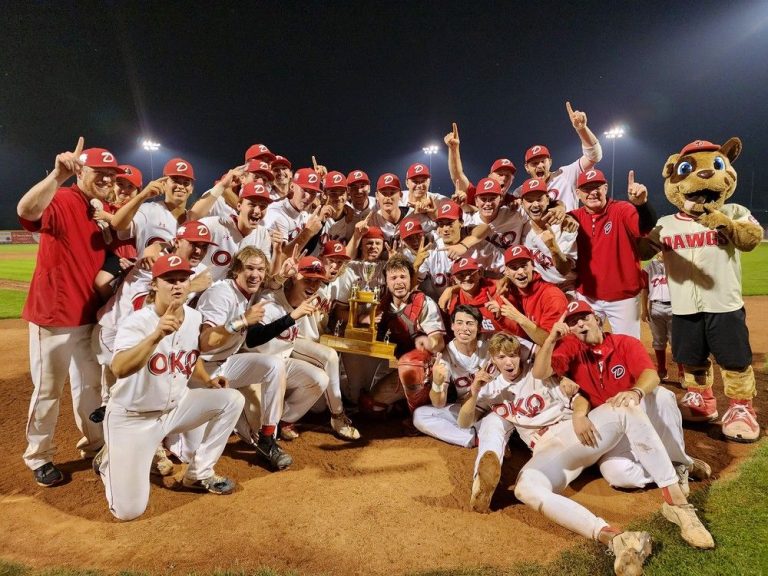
[(714, 219)]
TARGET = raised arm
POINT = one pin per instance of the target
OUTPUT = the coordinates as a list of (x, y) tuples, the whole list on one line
[(542, 364), (454, 160), (121, 220), (38, 198), (590, 146)]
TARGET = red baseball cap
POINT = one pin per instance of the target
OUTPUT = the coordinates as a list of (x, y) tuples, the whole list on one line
[(464, 264), (699, 146), (374, 232), (487, 186), (409, 227), (254, 191), (388, 180), (334, 249), (534, 185), (503, 164), (178, 167), (131, 174), (448, 210), (417, 169), (357, 176), (591, 177), (517, 253), (99, 158), (536, 152), (311, 267), (260, 167), (170, 263), (334, 180), (195, 231), (259, 152), (579, 307), (281, 161), (307, 179)]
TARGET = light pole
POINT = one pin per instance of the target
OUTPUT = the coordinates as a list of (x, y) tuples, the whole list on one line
[(151, 146), (612, 134), (430, 151)]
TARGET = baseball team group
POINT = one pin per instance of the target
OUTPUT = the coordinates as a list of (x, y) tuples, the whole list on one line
[(519, 309)]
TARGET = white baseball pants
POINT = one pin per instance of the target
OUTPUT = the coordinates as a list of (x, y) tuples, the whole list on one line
[(492, 436), (327, 359), (54, 354), (559, 458), (442, 423), (624, 315), (305, 383), (133, 437)]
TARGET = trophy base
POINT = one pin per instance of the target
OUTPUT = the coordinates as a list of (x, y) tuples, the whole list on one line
[(374, 349)]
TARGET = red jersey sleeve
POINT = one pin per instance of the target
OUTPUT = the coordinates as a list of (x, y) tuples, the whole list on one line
[(636, 356), (553, 304), (565, 351), (630, 218)]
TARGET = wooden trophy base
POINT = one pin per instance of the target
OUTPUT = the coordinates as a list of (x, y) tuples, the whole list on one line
[(361, 347)]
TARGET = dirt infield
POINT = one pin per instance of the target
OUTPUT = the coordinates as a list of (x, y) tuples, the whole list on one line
[(389, 505)]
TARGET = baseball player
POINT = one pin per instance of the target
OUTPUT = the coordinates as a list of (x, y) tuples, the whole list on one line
[(564, 442), (230, 234), (259, 152), (588, 356), (455, 367), (417, 195), (295, 306), (388, 212), (340, 221), (553, 248), (360, 198), (563, 182), (608, 266), (62, 303), (371, 242), (656, 310), (156, 353), (471, 288), (148, 222), (339, 283), (281, 168)]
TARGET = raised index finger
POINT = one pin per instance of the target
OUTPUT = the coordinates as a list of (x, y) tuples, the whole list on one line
[(562, 318), (568, 107), (79, 147), (314, 163), (631, 178), (455, 130)]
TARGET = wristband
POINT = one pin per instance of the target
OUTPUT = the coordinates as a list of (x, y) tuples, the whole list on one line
[(236, 326), (437, 388), (640, 392), (217, 191), (462, 243), (594, 152)]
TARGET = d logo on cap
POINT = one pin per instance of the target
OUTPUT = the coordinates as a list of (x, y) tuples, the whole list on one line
[(463, 262), (259, 189), (388, 180), (572, 306), (262, 148), (182, 166), (358, 174), (419, 168), (336, 178), (337, 248), (505, 162), (445, 208), (533, 183), (409, 226), (535, 149), (312, 178), (128, 171), (202, 230), (488, 185), (516, 251), (107, 157), (174, 261), (591, 174)]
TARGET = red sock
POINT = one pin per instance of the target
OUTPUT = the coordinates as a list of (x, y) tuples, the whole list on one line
[(667, 497), (268, 430), (661, 360)]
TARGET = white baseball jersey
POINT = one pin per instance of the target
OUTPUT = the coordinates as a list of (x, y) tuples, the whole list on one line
[(507, 229), (152, 222), (527, 402), (562, 185), (162, 382), (658, 289), (340, 289), (388, 228), (285, 218), (434, 274), (229, 241), (220, 207), (703, 266), (543, 261), (276, 306), (340, 230), (462, 368), (221, 303)]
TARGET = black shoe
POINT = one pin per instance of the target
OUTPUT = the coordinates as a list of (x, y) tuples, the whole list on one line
[(268, 448), (98, 415), (48, 475)]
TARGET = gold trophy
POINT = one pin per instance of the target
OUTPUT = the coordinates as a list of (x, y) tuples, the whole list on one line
[(360, 331)]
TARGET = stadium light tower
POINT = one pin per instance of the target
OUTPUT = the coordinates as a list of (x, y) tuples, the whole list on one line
[(151, 146), (612, 135), (430, 151)]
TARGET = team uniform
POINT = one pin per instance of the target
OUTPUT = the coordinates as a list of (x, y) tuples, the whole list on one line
[(603, 371), (562, 185), (434, 274), (61, 310), (544, 262), (608, 266), (282, 216), (442, 423), (155, 402), (229, 241), (305, 382), (153, 222), (660, 305), (508, 228)]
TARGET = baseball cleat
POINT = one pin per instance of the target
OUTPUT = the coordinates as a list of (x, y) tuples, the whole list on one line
[(630, 549), (48, 475), (98, 414), (288, 432), (213, 484), (699, 406), (344, 428), (740, 423), (268, 448), (161, 464), (486, 480), (691, 528), (699, 470)]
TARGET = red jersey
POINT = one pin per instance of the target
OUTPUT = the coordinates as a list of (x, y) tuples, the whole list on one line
[(121, 248), (490, 324), (71, 253), (604, 370), (541, 302), (608, 265)]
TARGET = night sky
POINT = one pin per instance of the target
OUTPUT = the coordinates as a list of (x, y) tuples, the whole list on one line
[(368, 84)]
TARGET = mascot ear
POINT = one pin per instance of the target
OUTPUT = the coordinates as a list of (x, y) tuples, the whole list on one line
[(669, 165), (732, 148)]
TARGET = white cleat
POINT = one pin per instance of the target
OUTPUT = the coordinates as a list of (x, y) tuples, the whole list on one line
[(630, 549)]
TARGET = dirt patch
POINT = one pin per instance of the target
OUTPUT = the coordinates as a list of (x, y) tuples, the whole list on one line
[(14, 285), (389, 505), (32, 254)]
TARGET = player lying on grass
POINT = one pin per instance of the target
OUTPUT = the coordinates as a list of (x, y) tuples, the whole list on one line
[(539, 411)]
